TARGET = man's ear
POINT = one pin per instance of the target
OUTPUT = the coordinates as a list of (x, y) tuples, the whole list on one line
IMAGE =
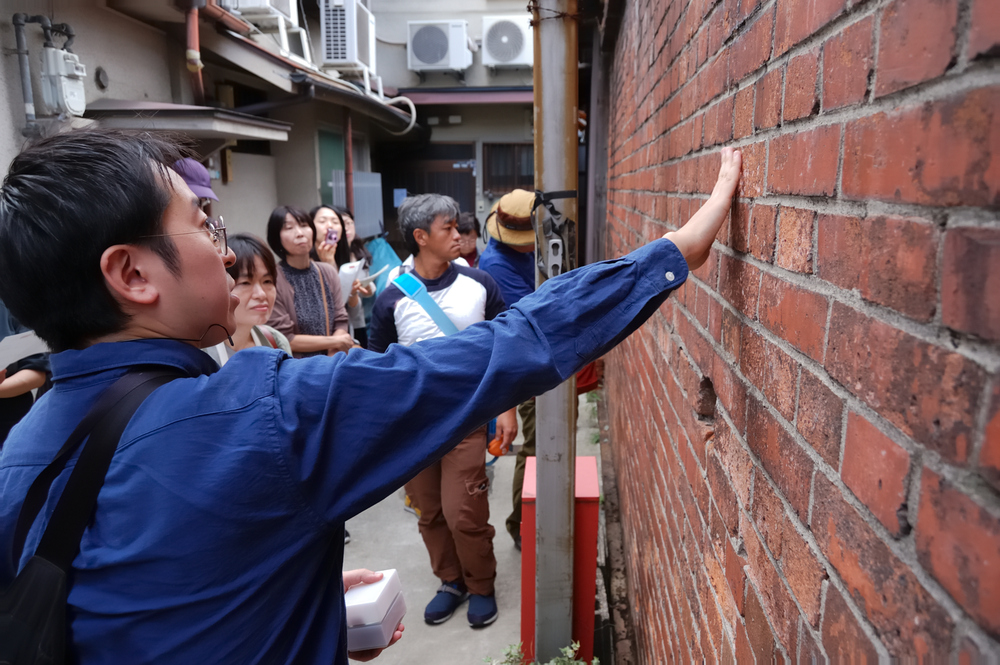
[(420, 236), (123, 267)]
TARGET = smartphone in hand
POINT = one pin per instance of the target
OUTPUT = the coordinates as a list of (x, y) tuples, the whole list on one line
[(331, 236)]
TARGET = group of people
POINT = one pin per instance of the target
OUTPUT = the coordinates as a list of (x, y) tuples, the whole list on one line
[(218, 533)]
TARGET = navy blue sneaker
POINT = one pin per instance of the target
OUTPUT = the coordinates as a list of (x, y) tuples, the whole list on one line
[(482, 610), (449, 596)]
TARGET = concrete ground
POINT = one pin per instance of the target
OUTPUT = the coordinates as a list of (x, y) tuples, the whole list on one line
[(386, 536)]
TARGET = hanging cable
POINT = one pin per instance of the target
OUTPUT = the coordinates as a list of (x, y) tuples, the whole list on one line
[(413, 114)]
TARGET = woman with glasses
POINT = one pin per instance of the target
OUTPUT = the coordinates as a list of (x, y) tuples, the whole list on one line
[(308, 309)]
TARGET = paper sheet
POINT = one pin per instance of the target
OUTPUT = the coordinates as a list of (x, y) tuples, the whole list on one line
[(348, 273), (15, 347), (371, 278)]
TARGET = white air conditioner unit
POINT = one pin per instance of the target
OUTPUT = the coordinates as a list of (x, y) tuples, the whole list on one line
[(348, 35), (438, 46), (287, 9), (507, 41)]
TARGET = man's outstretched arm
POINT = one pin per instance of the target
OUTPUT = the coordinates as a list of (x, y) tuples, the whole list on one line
[(695, 238), (372, 421)]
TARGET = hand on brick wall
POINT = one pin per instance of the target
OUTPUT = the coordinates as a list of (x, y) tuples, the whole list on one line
[(695, 238)]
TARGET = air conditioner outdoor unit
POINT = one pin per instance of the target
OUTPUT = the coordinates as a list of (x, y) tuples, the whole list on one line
[(252, 8), (507, 41), (438, 46), (348, 35)]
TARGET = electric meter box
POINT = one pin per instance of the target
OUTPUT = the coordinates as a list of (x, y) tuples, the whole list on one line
[(62, 82)]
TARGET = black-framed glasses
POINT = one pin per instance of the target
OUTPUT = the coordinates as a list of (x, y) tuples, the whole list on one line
[(214, 226)]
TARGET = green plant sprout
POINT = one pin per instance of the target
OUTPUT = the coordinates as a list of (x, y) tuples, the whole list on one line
[(513, 655)]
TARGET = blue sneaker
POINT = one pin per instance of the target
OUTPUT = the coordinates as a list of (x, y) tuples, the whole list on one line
[(482, 610), (449, 596)]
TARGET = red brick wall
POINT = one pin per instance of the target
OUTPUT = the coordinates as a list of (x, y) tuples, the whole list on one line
[(843, 495)]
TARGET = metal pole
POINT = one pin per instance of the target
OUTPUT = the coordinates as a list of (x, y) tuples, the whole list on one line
[(349, 163), (555, 85)]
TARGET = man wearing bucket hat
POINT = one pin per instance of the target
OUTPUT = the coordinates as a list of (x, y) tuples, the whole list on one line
[(196, 177), (509, 258)]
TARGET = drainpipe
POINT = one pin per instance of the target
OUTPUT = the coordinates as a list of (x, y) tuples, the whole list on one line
[(19, 21), (555, 107), (22, 61), (349, 163), (193, 54)]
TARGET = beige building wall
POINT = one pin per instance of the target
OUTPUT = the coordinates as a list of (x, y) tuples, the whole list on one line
[(248, 200), (136, 57)]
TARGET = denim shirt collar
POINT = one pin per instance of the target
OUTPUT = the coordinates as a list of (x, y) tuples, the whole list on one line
[(109, 356)]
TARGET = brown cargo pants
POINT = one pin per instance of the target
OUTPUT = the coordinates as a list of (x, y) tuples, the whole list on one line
[(455, 515)]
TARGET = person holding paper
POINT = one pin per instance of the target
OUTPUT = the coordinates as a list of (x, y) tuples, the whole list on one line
[(20, 378), (308, 309)]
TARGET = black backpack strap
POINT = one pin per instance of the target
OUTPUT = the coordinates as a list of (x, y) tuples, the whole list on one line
[(105, 423)]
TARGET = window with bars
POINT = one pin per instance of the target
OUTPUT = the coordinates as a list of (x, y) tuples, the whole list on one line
[(508, 166)]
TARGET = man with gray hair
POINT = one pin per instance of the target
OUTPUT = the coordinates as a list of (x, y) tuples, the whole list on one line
[(451, 494)]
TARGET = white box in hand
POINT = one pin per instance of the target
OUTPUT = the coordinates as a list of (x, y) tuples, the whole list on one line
[(368, 603), (377, 635)]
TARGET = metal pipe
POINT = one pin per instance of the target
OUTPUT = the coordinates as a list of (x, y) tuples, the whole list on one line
[(46, 28), (22, 61), (67, 31), (597, 153), (193, 56), (349, 162), (556, 91)]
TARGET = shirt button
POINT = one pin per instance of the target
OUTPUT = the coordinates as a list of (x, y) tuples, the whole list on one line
[(670, 276)]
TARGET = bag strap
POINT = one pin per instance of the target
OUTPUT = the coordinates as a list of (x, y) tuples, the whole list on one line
[(105, 423), (267, 335), (322, 291), (416, 291)]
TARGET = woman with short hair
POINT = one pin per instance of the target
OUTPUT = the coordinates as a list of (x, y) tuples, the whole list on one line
[(309, 309)]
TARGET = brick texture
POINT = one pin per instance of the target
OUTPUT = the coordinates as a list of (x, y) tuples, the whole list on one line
[(890, 261), (833, 497), (875, 470), (847, 63), (800, 86), (915, 42), (958, 542), (928, 392), (970, 281), (951, 165)]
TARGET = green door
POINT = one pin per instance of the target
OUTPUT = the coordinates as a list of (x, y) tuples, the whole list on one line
[(331, 157)]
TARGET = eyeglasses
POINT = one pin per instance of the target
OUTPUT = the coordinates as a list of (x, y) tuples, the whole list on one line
[(215, 228)]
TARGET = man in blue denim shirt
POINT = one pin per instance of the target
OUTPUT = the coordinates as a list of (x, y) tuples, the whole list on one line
[(218, 534)]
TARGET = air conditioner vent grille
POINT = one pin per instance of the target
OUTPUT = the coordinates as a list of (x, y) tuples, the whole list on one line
[(505, 41), (430, 44), (335, 45)]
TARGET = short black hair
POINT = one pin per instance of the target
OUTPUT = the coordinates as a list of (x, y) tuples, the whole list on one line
[(467, 223), (420, 211), (277, 220), (64, 200), (246, 246)]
